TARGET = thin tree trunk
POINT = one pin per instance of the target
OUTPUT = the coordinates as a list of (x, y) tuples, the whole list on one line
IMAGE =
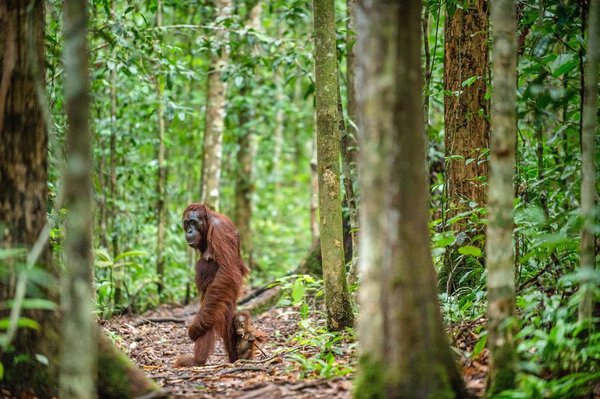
[(350, 73), (337, 298), (588, 168), (247, 147), (162, 176), (118, 274), (350, 138), (215, 113), (425, 27), (78, 357), (404, 350), (280, 101), (499, 248)]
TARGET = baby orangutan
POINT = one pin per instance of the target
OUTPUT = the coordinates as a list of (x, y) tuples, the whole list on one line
[(246, 336)]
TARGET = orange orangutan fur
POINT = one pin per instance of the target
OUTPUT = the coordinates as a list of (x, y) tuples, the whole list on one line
[(220, 273)]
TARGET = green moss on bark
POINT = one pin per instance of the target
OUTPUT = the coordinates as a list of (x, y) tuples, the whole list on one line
[(370, 383), (503, 375)]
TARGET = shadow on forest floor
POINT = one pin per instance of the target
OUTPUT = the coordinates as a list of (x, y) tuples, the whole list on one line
[(155, 339)]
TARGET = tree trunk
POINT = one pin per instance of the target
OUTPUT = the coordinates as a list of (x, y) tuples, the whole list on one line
[(465, 106), (465, 115), (23, 197), (350, 140), (314, 193), (244, 186), (162, 176), (215, 113), (337, 298), (588, 168), (499, 248), (78, 349), (118, 274), (23, 177), (404, 350)]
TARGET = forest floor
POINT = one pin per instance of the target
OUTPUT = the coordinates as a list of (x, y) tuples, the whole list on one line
[(153, 341)]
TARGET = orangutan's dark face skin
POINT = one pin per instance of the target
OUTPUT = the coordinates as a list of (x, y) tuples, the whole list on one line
[(195, 226)]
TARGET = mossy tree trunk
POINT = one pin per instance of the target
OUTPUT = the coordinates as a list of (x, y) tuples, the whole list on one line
[(212, 151), (588, 145), (78, 349), (404, 351), (466, 123), (337, 298), (499, 248)]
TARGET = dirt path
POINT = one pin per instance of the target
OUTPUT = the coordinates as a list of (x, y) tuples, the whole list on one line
[(154, 345)]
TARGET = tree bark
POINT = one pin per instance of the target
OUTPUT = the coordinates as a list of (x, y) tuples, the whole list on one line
[(337, 298), (499, 248), (78, 349), (247, 147), (466, 126), (215, 113), (588, 153), (162, 175), (118, 274), (314, 193), (404, 350), (350, 140), (465, 106), (23, 197)]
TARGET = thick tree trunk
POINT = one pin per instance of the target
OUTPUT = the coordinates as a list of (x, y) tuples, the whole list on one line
[(499, 248), (23, 197), (215, 113), (588, 168), (78, 349), (337, 298), (404, 350), (162, 175), (247, 147), (466, 109), (23, 177)]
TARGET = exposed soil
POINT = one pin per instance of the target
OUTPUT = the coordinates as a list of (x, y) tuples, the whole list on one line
[(155, 339)]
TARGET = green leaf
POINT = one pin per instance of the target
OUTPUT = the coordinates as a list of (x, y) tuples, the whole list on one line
[(11, 252), (479, 345), (130, 253), (298, 290), (563, 64), (1, 371), (23, 322), (32, 303), (470, 250), (468, 82)]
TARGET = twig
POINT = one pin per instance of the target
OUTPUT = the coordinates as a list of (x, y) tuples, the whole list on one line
[(158, 320), (259, 348), (242, 368)]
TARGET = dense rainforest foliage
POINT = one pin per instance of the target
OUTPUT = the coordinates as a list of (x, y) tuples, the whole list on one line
[(309, 126)]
